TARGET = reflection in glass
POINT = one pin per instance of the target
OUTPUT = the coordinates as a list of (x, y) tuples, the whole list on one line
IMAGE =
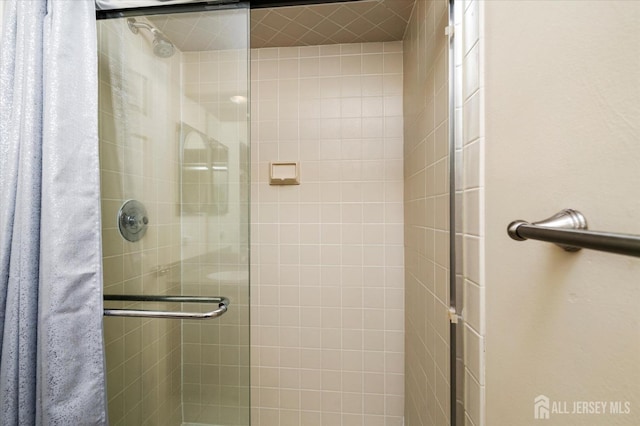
[(205, 170)]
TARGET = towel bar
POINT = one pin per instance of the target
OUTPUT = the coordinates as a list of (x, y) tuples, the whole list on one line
[(221, 302)]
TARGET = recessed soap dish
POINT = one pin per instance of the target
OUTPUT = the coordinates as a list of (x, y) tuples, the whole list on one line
[(284, 173)]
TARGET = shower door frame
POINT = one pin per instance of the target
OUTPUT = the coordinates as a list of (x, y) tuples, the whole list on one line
[(171, 9), (456, 273)]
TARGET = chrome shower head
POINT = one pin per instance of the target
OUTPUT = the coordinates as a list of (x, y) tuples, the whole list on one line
[(162, 46)]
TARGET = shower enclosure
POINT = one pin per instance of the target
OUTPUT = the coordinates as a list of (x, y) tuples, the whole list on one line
[(174, 138)]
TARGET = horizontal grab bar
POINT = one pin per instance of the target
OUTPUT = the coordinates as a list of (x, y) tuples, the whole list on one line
[(222, 303), (568, 229)]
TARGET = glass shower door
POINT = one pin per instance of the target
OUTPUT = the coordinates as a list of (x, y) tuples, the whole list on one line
[(174, 137)]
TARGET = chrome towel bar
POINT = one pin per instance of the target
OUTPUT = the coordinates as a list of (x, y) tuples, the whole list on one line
[(222, 304), (568, 229)]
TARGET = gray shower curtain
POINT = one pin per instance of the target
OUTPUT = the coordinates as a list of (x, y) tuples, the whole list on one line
[(51, 348)]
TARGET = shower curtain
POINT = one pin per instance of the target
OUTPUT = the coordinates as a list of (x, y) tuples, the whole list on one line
[(51, 348)]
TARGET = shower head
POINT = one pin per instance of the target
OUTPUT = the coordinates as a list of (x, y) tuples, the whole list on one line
[(162, 46)]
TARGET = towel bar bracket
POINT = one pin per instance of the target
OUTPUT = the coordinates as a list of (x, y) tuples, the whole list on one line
[(568, 229), (564, 219)]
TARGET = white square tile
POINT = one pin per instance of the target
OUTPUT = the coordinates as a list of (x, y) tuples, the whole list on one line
[(471, 26), (333, 245)]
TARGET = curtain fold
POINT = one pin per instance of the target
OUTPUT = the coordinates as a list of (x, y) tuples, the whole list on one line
[(51, 347)]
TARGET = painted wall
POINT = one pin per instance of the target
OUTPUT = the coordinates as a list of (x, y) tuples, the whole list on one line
[(426, 203), (327, 256), (562, 131)]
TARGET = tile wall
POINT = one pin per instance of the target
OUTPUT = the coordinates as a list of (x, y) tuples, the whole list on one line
[(139, 112), (327, 322), (328, 315), (426, 202), (472, 206)]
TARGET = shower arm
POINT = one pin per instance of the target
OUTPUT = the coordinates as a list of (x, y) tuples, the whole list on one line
[(134, 26), (162, 46), (221, 302)]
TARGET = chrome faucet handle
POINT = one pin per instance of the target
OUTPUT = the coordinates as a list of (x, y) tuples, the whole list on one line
[(132, 220)]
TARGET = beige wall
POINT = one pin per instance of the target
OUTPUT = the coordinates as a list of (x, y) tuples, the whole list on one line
[(327, 256), (426, 203), (562, 130), (139, 161)]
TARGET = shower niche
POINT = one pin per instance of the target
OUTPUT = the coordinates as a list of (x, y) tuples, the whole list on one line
[(174, 136)]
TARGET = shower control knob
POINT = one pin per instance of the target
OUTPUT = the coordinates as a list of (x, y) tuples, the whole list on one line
[(132, 220)]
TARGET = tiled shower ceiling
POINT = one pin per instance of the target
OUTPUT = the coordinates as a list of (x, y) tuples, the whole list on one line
[(330, 23), (350, 22)]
